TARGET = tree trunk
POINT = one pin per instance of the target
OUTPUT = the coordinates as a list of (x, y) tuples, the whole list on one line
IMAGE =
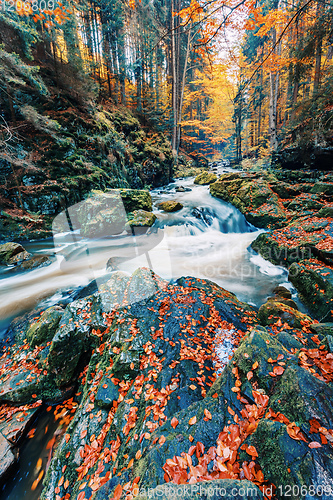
[(274, 89), (174, 81), (183, 86)]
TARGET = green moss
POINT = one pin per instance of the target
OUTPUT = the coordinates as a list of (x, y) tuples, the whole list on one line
[(267, 439), (44, 329), (205, 178), (288, 399), (273, 310), (170, 206)]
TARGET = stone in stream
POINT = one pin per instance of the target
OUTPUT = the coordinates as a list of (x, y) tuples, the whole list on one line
[(12, 253), (182, 189), (141, 218), (35, 262), (136, 199), (282, 291), (170, 206)]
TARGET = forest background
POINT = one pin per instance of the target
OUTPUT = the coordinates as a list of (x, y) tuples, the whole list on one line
[(241, 78)]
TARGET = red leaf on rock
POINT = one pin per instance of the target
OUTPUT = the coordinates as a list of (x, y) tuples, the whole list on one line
[(174, 422)]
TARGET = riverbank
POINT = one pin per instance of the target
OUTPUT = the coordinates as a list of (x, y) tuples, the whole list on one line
[(168, 385)]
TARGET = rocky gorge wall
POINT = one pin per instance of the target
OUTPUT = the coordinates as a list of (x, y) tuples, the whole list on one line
[(48, 170)]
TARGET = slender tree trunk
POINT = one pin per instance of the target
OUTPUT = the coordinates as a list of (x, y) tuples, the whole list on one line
[(183, 86), (274, 89), (260, 107), (174, 81), (319, 43)]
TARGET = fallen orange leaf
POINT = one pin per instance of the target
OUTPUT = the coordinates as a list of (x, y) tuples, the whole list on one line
[(192, 420)]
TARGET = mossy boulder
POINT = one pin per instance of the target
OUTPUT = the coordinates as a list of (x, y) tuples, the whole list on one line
[(282, 291), (314, 283), (170, 206), (43, 330), (27, 378), (252, 195), (258, 345), (322, 329), (73, 339), (107, 213), (12, 253), (274, 310), (297, 241), (322, 188), (140, 218), (283, 251), (325, 212), (143, 367), (205, 178), (286, 461)]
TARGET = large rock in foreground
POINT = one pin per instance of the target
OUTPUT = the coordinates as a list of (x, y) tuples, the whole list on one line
[(154, 361)]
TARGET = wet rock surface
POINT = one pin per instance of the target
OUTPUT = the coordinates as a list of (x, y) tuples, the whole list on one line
[(8, 458), (151, 411)]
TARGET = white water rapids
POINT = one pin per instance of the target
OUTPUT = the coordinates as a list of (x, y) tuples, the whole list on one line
[(208, 238)]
